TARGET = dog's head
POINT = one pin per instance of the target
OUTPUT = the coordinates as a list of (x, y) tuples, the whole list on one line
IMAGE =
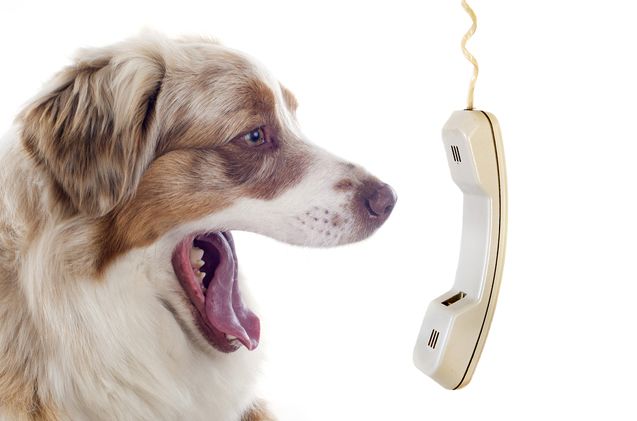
[(177, 143)]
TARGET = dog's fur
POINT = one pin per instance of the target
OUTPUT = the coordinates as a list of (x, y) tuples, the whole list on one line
[(123, 154)]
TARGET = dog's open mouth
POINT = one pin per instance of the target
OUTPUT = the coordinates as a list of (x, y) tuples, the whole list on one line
[(206, 266)]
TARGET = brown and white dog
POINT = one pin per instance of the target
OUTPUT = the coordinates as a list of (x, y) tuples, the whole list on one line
[(119, 187)]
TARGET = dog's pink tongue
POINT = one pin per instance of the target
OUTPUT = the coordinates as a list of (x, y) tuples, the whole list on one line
[(224, 307)]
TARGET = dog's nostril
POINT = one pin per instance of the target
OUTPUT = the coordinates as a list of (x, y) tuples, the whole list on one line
[(382, 200)]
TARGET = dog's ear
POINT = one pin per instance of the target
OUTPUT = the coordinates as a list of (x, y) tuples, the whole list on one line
[(90, 128)]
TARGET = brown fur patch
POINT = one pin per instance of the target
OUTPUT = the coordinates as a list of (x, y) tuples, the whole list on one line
[(174, 190), (200, 113), (89, 132), (264, 172), (258, 412), (344, 185), (18, 374)]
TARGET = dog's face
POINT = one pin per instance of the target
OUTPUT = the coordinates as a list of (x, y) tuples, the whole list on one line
[(174, 145)]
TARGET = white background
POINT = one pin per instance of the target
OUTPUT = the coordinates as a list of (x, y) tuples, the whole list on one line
[(376, 81)]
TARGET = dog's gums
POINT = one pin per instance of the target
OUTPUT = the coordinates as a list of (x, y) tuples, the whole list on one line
[(206, 266)]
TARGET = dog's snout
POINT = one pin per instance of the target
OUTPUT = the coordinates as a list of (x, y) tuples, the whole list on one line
[(380, 200)]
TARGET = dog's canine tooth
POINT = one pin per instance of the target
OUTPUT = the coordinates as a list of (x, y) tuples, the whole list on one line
[(230, 337), (196, 254)]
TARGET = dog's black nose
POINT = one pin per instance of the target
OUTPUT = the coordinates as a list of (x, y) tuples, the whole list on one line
[(381, 200)]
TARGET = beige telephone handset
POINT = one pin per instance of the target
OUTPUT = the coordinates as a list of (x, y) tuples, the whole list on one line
[(456, 324)]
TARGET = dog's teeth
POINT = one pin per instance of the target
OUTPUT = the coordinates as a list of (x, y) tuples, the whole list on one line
[(200, 275), (198, 264), (230, 337), (195, 255)]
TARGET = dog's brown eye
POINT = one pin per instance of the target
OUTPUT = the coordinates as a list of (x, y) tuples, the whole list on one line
[(255, 137)]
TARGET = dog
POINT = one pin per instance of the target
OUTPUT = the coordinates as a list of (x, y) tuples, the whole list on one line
[(121, 184)]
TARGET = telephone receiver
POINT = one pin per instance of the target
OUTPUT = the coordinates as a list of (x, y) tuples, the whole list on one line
[(456, 324)]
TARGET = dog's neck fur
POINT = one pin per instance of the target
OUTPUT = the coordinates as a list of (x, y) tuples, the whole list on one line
[(88, 351)]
